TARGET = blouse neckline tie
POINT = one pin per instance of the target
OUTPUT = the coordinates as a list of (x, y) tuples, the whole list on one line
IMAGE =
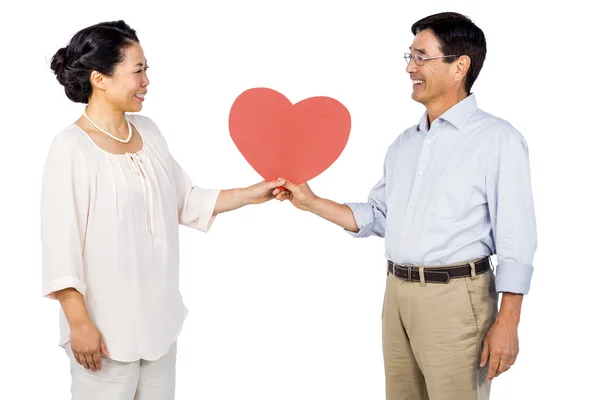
[(137, 167)]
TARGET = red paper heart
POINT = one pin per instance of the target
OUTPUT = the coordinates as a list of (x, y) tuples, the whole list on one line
[(279, 139)]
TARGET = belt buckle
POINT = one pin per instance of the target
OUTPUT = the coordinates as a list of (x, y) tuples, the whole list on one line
[(408, 271), (409, 268), (395, 269)]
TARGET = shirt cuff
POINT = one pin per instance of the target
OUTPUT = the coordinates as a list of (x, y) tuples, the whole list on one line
[(513, 277), (65, 282), (363, 215)]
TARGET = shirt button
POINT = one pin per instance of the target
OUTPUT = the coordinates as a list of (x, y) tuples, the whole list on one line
[(420, 172), (429, 142), (412, 204), (403, 236)]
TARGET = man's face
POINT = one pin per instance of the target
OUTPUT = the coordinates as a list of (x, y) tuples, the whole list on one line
[(434, 79)]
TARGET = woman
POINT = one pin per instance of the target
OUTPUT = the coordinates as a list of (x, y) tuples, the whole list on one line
[(112, 200)]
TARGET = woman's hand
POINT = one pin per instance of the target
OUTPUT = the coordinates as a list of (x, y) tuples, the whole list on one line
[(262, 192), (86, 341), (87, 345)]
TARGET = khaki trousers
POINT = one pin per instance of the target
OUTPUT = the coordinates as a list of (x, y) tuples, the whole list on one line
[(433, 336)]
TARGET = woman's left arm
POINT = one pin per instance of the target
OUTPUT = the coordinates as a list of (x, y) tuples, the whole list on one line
[(198, 207), (258, 193)]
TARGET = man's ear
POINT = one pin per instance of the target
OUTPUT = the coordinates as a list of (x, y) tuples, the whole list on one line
[(463, 63)]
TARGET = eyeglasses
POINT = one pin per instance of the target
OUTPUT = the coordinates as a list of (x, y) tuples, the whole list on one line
[(420, 60)]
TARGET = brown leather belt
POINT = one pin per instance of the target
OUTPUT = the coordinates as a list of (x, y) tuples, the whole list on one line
[(437, 274)]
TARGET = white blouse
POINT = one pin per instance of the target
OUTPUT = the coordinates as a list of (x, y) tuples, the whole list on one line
[(109, 226)]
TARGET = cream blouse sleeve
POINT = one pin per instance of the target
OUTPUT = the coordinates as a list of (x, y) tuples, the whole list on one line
[(64, 209), (195, 204)]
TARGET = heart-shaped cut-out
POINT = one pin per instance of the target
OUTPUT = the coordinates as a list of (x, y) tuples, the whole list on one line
[(284, 140)]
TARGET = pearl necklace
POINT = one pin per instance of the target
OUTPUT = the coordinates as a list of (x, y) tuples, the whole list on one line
[(108, 134)]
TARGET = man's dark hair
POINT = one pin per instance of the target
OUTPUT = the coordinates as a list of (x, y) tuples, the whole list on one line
[(457, 35)]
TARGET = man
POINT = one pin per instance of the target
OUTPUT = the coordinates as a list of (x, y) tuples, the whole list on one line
[(455, 190)]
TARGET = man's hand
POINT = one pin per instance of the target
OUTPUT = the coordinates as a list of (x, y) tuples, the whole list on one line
[(87, 345), (301, 196), (501, 345)]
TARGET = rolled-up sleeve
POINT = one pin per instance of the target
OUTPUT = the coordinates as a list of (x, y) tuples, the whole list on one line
[(64, 210), (370, 216), (196, 205), (512, 214)]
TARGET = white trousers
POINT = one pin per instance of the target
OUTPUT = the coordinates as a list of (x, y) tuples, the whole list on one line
[(139, 380)]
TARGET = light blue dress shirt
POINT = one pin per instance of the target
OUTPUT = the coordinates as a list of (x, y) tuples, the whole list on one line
[(456, 191)]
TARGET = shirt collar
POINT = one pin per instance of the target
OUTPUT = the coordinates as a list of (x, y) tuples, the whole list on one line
[(423, 123), (457, 115)]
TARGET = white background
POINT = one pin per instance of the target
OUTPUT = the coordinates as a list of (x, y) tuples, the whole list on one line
[(284, 305)]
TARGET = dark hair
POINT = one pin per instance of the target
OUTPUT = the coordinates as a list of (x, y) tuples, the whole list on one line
[(99, 48), (458, 35)]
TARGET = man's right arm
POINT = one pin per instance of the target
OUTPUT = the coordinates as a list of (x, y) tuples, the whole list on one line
[(358, 219), (339, 214)]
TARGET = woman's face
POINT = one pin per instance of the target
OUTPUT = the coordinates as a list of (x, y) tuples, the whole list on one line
[(126, 88)]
